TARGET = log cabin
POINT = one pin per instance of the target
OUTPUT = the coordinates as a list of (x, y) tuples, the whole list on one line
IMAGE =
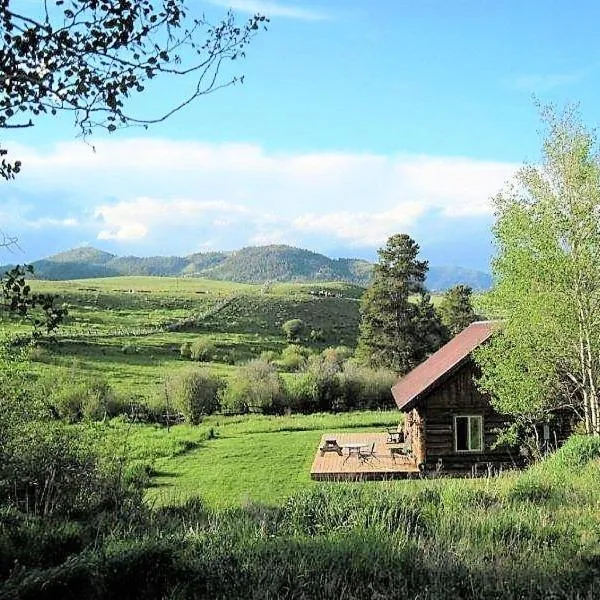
[(450, 424)]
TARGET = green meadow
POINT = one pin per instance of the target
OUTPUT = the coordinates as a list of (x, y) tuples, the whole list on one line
[(129, 330), (227, 509), (232, 460)]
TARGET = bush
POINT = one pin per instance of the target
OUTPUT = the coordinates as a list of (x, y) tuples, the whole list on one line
[(202, 350), (84, 398), (316, 389), (268, 356), (194, 393), (316, 335), (52, 469), (576, 452), (337, 355), (365, 388), (185, 350), (324, 387), (255, 385), (292, 329), (293, 358)]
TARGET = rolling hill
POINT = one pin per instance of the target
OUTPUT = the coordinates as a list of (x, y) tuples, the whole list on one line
[(254, 264)]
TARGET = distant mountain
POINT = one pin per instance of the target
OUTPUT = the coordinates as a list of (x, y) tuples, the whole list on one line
[(85, 254), (442, 278), (254, 264), (284, 263)]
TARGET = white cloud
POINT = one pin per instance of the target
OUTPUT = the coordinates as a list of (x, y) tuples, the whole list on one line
[(272, 8), (361, 228), (177, 196), (135, 219)]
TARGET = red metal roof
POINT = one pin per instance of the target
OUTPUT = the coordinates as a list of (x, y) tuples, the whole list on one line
[(423, 377)]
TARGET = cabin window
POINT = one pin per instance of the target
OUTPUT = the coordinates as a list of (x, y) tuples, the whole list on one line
[(468, 433)]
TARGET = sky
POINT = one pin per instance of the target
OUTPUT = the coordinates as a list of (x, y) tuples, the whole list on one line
[(356, 120)]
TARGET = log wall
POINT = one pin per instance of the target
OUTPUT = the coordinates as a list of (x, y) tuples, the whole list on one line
[(456, 396)]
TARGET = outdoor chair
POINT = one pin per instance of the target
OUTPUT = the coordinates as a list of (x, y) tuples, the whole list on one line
[(367, 451), (395, 435)]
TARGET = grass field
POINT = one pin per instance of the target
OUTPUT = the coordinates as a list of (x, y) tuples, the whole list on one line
[(129, 330), (232, 460), (230, 510), (530, 535)]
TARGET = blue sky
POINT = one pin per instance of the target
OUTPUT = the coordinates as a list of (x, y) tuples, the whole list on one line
[(356, 120)]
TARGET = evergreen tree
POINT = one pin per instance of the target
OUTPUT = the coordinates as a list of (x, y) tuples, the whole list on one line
[(395, 331), (456, 309)]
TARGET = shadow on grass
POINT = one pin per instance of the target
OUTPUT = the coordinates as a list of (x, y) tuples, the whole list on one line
[(162, 475)]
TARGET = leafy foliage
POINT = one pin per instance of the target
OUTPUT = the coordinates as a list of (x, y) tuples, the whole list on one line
[(293, 329), (292, 358), (194, 393), (254, 386), (548, 281), (87, 58), (83, 398), (39, 309), (202, 350)]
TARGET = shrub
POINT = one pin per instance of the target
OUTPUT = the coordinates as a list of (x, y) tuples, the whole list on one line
[(84, 398), (53, 469), (185, 350), (292, 329), (202, 350), (365, 388), (576, 452), (268, 356), (194, 393), (317, 335), (293, 358), (137, 475), (337, 355), (255, 385), (317, 388)]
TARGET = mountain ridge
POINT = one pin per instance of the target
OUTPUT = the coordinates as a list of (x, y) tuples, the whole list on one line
[(251, 264)]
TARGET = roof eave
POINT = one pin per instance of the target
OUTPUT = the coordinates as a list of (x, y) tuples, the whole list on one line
[(412, 402)]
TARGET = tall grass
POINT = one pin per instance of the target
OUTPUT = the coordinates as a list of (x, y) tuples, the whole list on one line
[(434, 539)]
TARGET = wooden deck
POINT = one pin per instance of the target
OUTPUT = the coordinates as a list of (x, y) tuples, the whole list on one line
[(381, 465)]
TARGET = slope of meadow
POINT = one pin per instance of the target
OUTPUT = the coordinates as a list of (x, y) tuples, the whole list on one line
[(130, 329)]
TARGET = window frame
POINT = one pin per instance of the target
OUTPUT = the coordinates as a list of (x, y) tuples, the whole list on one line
[(481, 436)]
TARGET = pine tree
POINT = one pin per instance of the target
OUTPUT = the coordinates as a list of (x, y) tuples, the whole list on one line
[(456, 309), (395, 331)]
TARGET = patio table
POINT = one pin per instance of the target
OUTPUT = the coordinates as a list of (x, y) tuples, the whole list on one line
[(354, 448)]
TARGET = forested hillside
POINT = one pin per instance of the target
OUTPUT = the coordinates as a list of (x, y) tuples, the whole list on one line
[(255, 264)]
